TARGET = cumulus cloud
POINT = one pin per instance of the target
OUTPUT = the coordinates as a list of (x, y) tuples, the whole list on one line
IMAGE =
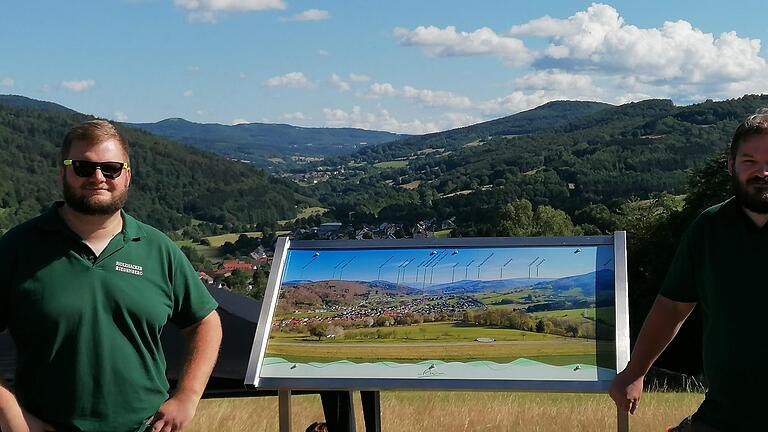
[(295, 116), (596, 47), (7, 82), (210, 10), (121, 116), (359, 77), (381, 120), (445, 42), (238, 121), (340, 84), (382, 89), (309, 15), (599, 41), (554, 80), (429, 98), (291, 79), (78, 85), (189, 93)]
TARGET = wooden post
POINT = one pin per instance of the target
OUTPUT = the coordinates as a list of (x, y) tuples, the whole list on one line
[(371, 410), (284, 404), (622, 418)]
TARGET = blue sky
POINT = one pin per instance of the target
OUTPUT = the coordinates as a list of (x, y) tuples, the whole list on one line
[(401, 66), (445, 265)]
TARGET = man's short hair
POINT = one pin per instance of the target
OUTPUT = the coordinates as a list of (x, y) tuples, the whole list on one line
[(92, 132), (756, 124)]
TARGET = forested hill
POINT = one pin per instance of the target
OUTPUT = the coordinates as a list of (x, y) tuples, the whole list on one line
[(267, 145), (606, 157), (15, 101), (172, 183), (546, 117)]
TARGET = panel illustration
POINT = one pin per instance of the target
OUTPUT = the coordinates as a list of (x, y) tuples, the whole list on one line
[(543, 313)]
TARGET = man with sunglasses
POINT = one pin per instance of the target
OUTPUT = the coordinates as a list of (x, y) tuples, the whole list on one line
[(86, 291)]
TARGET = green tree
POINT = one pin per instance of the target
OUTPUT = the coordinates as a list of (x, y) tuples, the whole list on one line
[(516, 219), (318, 329)]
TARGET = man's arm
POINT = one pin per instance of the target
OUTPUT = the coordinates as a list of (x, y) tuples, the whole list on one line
[(660, 327), (203, 341), (13, 418)]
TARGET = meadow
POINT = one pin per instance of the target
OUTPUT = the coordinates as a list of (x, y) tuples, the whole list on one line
[(457, 412), (443, 341)]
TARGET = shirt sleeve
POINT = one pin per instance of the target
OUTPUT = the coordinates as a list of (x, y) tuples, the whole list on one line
[(680, 282), (191, 300), (6, 278)]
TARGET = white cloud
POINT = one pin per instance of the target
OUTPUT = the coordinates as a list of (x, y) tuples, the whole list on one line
[(359, 77), (78, 85), (310, 15), (238, 121), (457, 120), (445, 42), (439, 98), (381, 120), (120, 116), (210, 10), (201, 112), (382, 89), (295, 116), (555, 80), (340, 84), (597, 49), (322, 52), (7, 82), (544, 26), (429, 98), (291, 79), (600, 42), (189, 93), (384, 120)]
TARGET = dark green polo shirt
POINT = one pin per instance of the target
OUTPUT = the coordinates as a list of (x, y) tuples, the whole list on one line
[(87, 328), (721, 265)]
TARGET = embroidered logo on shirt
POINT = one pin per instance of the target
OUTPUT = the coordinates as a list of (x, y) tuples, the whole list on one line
[(129, 268)]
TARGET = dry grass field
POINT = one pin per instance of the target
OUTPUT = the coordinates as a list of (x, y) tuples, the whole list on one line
[(458, 412)]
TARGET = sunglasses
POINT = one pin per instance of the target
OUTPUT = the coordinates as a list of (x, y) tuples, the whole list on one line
[(84, 168)]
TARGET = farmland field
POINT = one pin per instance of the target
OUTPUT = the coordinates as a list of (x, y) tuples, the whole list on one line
[(444, 341)]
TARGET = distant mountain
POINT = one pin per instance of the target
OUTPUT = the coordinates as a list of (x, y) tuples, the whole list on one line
[(476, 286), (589, 283), (15, 101), (267, 145)]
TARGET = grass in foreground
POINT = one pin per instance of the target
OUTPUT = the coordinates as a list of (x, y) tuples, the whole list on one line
[(457, 412)]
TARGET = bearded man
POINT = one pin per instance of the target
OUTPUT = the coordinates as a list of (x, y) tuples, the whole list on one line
[(718, 265), (85, 292)]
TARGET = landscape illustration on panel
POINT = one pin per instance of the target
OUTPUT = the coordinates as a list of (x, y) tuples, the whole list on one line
[(501, 313)]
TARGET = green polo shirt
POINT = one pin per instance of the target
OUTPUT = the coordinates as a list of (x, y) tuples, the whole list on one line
[(720, 264), (87, 328)]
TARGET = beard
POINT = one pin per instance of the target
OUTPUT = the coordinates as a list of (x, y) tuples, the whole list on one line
[(755, 201), (90, 205)]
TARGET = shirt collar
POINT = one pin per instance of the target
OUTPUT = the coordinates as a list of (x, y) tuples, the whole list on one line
[(51, 220)]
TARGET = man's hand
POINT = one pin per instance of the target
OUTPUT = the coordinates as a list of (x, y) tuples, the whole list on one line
[(175, 413), (626, 390)]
